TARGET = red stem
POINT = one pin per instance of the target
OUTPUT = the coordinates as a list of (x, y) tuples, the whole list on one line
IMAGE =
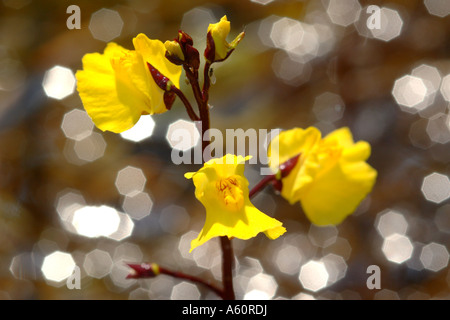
[(181, 275), (186, 103), (260, 185)]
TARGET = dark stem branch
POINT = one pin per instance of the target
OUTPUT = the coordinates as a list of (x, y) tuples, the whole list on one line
[(206, 81), (181, 275), (261, 185), (192, 115), (227, 268)]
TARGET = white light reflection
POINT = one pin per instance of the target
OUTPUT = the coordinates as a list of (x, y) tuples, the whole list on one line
[(438, 128), (436, 187), (97, 263), (434, 256), (182, 135), (93, 221), (185, 291), (77, 125), (138, 205), (256, 295), (141, 130), (343, 12), (262, 2), (336, 267), (58, 266), (90, 148), (409, 91), (431, 77), (105, 24), (59, 82), (389, 222), (445, 87), (390, 25), (130, 181), (397, 248), (261, 285), (314, 276), (440, 8), (289, 259), (292, 72)]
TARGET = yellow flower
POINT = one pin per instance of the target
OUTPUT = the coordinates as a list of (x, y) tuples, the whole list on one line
[(116, 87), (331, 176), (220, 185), (219, 32)]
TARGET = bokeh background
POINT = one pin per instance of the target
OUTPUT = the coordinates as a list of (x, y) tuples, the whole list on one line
[(71, 195)]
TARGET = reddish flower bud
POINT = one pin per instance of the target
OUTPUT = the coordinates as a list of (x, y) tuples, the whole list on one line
[(161, 81), (192, 56), (210, 51), (143, 270), (169, 99), (184, 39), (277, 185), (286, 167)]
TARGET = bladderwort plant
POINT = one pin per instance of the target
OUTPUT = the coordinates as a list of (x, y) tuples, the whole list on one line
[(328, 175)]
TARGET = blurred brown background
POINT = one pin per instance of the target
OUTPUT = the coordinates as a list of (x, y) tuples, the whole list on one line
[(71, 195)]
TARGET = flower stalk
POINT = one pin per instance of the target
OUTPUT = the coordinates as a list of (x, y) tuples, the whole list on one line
[(151, 270)]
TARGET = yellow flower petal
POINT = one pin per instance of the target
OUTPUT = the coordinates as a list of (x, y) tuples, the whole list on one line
[(174, 48), (116, 87), (220, 185), (109, 99), (153, 52), (331, 177), (243, 225), (337, 193), (219, 32), (291, 143)]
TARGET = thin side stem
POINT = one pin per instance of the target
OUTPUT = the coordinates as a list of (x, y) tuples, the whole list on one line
[(192, 115), (181, 275), (261, 185), (193, 80), (202, 102), (206, 81)]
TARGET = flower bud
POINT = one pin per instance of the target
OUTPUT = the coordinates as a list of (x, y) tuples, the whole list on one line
[(217, 47), (161, 81), (174, 52), (169, 99)]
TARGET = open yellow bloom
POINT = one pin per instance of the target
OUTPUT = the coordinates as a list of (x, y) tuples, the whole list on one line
[(219, 32), (116, 87), (220, 185), (331, 176)]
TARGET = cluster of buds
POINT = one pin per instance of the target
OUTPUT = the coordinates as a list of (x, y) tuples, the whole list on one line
[(181, 51)]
